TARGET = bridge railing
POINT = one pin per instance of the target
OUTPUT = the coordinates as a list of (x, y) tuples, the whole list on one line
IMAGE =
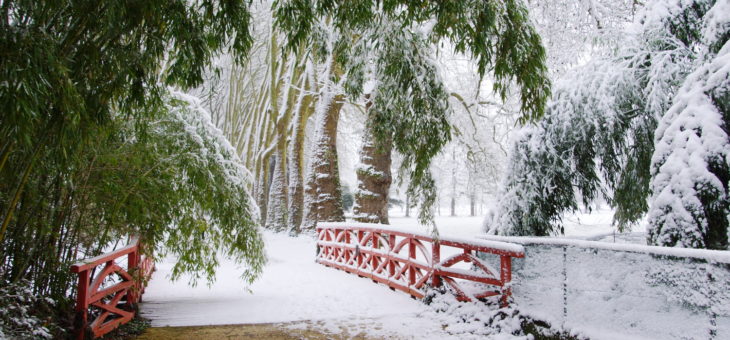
[(410, 261), (108, 291)]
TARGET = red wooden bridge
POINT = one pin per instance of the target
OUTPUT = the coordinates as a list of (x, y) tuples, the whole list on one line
[(409, 261), (111, 285), (104, 283)]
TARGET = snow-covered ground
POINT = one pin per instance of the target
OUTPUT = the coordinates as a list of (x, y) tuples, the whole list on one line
[(293, 288)]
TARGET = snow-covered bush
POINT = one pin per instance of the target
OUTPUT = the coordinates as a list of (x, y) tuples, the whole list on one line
[(478, 320), (19, 308)]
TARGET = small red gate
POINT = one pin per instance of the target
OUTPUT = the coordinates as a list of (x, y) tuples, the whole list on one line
[(100, 296), (403, 260)]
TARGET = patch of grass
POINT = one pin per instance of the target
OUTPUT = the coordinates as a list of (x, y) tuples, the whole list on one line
[(130, 330)]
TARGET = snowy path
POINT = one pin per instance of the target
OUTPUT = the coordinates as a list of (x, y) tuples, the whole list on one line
[(292, 288)]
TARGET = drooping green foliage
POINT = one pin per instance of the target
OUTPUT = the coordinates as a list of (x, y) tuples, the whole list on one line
[(181, 188), (497, 34), (70, 65), (92, 147), (410, 101), (410, 106)]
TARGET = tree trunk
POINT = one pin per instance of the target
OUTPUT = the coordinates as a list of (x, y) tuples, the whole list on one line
[(296, 165), (472, 201), (373, 179), (262, 188), (276, 216), (324, 195)]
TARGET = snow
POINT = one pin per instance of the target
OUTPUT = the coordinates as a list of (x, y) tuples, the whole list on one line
[(293, 288), (717, 256), (691, 141), (599, 289)]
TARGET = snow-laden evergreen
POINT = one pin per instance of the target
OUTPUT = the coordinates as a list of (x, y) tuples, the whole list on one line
[(691, 162), (597, 138)]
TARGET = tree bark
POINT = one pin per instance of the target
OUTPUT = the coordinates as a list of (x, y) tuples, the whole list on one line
[(276, 216), (296, 165), (324, 195), (373, 178)]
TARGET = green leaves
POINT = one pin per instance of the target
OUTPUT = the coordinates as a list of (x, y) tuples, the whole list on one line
[(84, 103), (410, 102), (496, 33)]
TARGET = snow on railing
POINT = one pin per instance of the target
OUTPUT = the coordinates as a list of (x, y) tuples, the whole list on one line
[(717, 256), (100, 293), (404, 260), (612, 290)]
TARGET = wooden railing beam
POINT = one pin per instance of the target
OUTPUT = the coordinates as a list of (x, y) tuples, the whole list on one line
[(406, 272)]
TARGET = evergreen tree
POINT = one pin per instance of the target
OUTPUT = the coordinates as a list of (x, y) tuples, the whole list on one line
[(690, 201)]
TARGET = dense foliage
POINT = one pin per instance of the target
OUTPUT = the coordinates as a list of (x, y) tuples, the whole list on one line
[(93, 147), (599, 138), (392, 43)]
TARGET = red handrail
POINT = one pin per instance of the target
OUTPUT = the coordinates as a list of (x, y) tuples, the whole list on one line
[(376, 253), (112, 312)]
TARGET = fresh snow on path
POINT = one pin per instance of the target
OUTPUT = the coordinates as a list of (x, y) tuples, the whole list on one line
[(292, 288)]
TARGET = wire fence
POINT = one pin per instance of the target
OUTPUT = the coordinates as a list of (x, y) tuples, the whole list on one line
[(608, 292)]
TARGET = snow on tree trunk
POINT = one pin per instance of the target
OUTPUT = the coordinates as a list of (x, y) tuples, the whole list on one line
[(323, 195), (296, 170), (262, 190), (690, 206), (276, 216), (309, 218), (373, 179)]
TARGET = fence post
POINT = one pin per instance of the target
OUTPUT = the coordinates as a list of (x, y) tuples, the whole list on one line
[(391, 263), (132, 263), (711, 307), (506, 278), (435, 262), (347, 242), (360, 235), (374, 262), (82, 305), (412, 258), (565, 285)]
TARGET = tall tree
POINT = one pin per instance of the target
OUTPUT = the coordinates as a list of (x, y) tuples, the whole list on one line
[(323, 192), (496, 34), (373, 177), (296, 157)]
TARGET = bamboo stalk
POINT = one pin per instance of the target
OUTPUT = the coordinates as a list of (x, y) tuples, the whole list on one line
[(19, 191)]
